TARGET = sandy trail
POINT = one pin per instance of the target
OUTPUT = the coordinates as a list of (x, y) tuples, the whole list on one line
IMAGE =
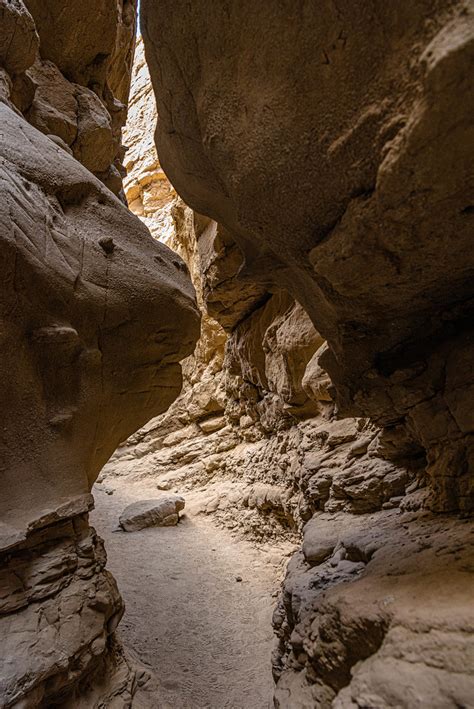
[(204, 635)]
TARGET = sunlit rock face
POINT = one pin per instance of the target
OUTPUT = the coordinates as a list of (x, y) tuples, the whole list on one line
[(153, 199), (323, 148), (325, 142), (148, 192), (95, 317)]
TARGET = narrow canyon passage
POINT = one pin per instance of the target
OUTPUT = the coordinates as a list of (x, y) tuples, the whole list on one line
[(203, 634), (236, 279)]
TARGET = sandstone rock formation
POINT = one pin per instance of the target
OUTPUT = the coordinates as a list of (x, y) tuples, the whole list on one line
[(376, 612), (357, 201), (149, 194), (239, 388), (95, 317), (330, 257), (88, 109), (337, 172)]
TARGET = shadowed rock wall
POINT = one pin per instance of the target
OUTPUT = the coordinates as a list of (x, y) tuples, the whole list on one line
[(324, 143), (336, 162), (95, 316)]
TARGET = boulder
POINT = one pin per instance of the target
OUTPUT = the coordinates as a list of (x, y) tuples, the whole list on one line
[(162, 512)]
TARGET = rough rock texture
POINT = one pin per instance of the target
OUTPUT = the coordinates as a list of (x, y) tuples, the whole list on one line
[(336, 171), (216, 439), (59, 608), (71, 76), (376, 613), (228, 297), (357, 160), (162, 512), (81, 280), (149, 194), (73, 297), (254, 400)]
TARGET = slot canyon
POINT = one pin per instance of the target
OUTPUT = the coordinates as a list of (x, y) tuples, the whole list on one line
[(237, 354)]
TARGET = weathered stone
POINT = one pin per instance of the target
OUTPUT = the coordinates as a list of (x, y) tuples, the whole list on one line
[(357, 202), (81, 280), (54, 107), (343, 185), (18, 37), (86, 51), (57, 601), (316, 382), (370, 624), (229, 297), (162, 512), (267, 357), (82, 86)]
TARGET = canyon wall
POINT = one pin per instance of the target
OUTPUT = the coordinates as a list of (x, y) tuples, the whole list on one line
[(82, 279), (324, 156), (334, 176), (358, 202)]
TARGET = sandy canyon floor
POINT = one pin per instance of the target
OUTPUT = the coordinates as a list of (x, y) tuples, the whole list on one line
[(203, 633)]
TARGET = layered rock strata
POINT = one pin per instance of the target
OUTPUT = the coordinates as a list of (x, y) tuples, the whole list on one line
[(376, 612), (337, 172), (95, 317)]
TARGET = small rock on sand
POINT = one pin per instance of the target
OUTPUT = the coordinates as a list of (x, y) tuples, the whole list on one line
[(160, 512)]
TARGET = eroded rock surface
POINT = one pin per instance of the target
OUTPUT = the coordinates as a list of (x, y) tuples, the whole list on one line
[(93, 293), (375, 612), (337, 164), (332, 169), (162, 512), (82, 279)]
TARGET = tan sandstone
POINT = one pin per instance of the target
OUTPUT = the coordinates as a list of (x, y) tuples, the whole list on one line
[(335, 168), (81, 279)]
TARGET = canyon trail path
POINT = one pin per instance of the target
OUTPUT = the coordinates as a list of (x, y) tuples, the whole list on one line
[(205, 636)]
